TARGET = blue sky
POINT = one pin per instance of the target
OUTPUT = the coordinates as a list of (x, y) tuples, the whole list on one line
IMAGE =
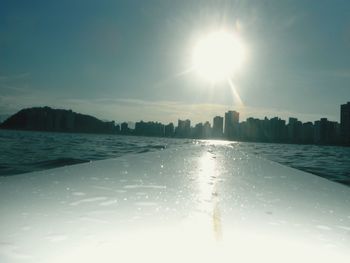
[(124, 60)]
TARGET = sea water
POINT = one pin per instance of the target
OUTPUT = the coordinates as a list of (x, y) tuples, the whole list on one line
[(26, 151)]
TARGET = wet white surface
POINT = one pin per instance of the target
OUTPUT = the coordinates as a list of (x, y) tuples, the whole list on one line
[(194, 203)]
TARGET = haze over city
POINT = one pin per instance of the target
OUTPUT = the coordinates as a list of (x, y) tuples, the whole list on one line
[(130, 60)]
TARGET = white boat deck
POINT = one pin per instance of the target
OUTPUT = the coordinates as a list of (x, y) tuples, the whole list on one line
[(195, 203)]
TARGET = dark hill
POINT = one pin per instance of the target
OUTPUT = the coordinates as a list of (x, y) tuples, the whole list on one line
[(58, 120)]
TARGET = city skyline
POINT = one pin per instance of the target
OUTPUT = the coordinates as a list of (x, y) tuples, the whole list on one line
[(229, 127), (238, 118), (98, 60), (277, 130), (210, 119), (186, 111)]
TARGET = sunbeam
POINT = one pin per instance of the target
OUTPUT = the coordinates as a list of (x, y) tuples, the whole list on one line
[(235, 94)]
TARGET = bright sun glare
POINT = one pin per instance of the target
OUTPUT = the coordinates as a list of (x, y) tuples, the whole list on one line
[(218, 56)]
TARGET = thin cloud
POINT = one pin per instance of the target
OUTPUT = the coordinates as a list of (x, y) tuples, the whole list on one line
[(14, 76), (342, 73)]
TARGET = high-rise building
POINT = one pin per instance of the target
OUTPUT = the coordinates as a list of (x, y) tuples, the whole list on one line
[(325, 131), (169, 130), (231, 124), (197, 131), (345, 123), (307, 133), (294, 130), (183, 128), (218, 126), (117, 128), (273, 130), (124, 129), (149, 129), (206, 130)]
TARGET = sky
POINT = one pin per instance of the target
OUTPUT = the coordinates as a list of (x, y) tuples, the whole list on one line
[(129, 60)]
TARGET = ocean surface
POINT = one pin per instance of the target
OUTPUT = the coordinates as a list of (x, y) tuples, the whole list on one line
[(24, 151)]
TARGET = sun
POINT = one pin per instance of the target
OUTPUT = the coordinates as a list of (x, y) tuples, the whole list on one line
[(218, 55)]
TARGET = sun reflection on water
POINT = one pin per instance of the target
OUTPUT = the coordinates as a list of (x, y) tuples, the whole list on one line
[(208, 196)]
